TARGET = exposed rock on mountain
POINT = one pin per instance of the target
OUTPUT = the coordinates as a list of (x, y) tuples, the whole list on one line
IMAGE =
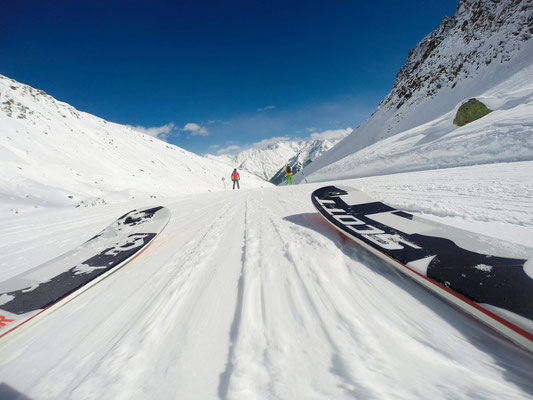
[(481, 32), (481, 46)]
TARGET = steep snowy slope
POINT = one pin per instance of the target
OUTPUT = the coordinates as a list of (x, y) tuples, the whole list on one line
[(52, 154), (268, 163), (485, 44), (506, 134)]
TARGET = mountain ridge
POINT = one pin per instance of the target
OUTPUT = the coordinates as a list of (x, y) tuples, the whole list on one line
[(481, 46), (269, 162), (53, 154)]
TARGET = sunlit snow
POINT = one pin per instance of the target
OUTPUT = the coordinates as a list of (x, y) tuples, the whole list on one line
[(250, 294)]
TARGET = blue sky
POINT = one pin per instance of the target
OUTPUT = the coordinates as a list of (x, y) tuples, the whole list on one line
[(211, 76)]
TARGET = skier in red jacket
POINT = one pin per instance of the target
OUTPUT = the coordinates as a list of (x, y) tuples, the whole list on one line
[(235, 177)]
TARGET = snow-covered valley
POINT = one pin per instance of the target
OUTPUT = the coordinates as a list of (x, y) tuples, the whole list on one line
[(250, 294)]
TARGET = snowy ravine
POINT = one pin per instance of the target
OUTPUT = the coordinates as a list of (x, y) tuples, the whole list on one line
[(250, 295)]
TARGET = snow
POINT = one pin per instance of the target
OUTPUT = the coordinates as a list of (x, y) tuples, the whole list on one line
[(54, 155), (263, 162), (483, 267), (506, 134), (250, 294), (472, 59), (267, 160)]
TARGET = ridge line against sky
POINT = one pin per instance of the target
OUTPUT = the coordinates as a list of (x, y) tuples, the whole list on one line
[(216, 75)]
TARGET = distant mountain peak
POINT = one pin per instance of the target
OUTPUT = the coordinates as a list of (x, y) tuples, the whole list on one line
[(480, 32), (268, 163)]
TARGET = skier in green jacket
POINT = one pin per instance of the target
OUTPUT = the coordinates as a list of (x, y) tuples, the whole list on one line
[(288, 172)]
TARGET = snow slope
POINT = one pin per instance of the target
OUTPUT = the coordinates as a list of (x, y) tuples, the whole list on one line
[(251, 295), (53, 155), (506, 134), (484, 51), (261, 162)]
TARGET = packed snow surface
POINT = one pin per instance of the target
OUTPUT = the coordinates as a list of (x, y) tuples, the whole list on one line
[(250, 294)]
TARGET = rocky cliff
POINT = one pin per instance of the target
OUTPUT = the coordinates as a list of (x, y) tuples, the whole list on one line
[(482, 45)]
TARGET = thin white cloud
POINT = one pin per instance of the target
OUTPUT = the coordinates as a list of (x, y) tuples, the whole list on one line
[(263, 144), (229, 150), (159, 132), (331, 134), (195, 129), (233, 149), (261, 109)]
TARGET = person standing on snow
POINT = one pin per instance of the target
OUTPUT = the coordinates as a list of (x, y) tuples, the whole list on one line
[(288, 172), (235, 177)]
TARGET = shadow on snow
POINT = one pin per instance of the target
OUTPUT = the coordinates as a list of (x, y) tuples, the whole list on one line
[(513, 360)]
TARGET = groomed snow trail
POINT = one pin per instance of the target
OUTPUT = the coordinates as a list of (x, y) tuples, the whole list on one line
[(250, 295)]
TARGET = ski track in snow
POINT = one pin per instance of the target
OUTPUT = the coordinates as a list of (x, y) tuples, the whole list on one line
[(251, 295)]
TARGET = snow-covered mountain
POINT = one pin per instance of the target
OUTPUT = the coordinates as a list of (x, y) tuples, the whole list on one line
[(53, 154), (484, 51), (309, 151), (268, 163)]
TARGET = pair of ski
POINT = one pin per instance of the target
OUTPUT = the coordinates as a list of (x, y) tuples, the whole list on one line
[(488, 282)]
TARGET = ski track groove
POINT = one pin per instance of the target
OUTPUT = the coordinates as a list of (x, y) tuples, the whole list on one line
[(339, 366), (163, 306), (225, 376), (273, 377)]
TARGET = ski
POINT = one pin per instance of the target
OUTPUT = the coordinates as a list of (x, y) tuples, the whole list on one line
[(44, 287), (480, 275)]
